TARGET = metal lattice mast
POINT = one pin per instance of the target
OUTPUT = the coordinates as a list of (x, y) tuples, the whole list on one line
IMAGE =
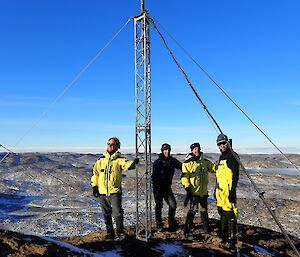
[(143, 124)]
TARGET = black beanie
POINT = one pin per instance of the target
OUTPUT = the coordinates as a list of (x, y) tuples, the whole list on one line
[(195, 145)]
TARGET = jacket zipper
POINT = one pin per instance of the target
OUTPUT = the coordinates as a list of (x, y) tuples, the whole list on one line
[(107, 176)]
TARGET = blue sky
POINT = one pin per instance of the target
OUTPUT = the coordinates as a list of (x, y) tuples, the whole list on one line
[(251, 48)]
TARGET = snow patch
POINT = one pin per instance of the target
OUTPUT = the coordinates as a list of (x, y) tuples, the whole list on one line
[(260, 249), (113, 253), (170, 249)]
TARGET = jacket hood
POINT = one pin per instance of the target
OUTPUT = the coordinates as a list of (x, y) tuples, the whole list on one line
[(113, 156)]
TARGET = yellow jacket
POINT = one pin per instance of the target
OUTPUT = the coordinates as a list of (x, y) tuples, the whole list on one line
[(195, 174), (224, 176), (107, 172), (227, 176)]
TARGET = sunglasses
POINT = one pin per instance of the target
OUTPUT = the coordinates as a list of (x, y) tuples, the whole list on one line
[(222, 143), (111, 145)]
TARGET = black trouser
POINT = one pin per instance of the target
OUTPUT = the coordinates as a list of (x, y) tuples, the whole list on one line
[(228, 225), (194, 208), (168, 196), (112, 206)]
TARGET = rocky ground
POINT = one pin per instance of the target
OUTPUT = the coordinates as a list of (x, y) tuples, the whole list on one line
[(253, 241), (49, 195)]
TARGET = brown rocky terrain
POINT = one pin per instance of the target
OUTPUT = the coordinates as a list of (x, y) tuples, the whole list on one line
[(253, 241), (46, 209)]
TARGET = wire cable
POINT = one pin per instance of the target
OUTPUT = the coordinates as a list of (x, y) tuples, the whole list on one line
[(261, 194), (6, 148), (228, 96), (67, 88), (186, 77), (51, 105), (8, 152)]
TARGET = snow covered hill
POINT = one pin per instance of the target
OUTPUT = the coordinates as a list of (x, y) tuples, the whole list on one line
[(50, 194)]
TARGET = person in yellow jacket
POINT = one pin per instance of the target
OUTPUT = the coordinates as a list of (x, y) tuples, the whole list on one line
[(195, 181), (106, 183), (227, 175)]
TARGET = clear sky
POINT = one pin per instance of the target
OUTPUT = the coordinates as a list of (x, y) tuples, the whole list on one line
[(251, 48)]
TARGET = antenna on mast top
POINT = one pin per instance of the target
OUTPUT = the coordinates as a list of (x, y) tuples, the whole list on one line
[(142, 6)]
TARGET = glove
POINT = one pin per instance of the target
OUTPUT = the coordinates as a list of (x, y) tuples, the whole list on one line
[(231, 196), (135, 161), (215, 166), (189, 196), (96, 192)]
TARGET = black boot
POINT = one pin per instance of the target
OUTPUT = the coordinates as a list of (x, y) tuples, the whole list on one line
[(158, 218), (159, 222), (120, 227), (232, 231), (110, 233), (230, 240), (188, 224), (224, 227), (204, 219), (173, 225)]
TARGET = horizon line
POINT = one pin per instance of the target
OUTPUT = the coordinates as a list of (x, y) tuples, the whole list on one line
[(156, 150)]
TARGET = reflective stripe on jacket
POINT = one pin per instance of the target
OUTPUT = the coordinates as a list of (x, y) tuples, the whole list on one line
[(195, 175), (107, 172), (224, 177)]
